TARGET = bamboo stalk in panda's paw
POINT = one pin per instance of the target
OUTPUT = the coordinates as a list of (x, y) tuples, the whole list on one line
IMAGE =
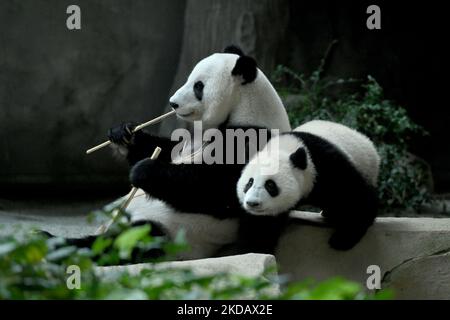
[(139, 127), (116, 214)]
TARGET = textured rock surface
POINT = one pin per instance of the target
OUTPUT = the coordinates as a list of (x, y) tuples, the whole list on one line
[(425, 277), (412, 253), (249, 265), (61, 90), (402, 247)]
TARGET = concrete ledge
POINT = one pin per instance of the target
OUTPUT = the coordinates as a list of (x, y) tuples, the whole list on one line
[(249, 265), (412, 254), (421, 278)]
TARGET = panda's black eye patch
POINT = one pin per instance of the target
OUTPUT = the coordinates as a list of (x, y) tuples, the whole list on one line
[(198, 90), (272, 188), (248, 185)]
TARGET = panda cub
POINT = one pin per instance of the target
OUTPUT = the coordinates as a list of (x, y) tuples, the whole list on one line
[(320, 163)]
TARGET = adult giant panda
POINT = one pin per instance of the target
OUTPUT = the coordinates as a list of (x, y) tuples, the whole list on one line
[(224, 91), (320, 163)]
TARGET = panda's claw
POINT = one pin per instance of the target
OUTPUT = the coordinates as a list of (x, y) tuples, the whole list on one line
[(122, 134)]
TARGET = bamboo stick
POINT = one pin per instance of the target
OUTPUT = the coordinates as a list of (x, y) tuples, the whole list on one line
[(139, 127), (116, 214)]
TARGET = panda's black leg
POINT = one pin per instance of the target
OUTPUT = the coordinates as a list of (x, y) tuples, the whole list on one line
[(350, 228), (259, 234), (352, 218), (346, 238)]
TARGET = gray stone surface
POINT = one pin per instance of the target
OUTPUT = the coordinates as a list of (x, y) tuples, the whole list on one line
[(412, 253), (425, 277), (67, 218), (248, 265), (303, 252)]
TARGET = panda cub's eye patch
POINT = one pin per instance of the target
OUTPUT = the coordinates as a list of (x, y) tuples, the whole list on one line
[(248, 185), (272, 188), (198, 90)]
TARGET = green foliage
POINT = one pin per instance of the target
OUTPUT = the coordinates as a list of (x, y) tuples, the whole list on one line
[(35, 267), (402, 182), (332, 289)]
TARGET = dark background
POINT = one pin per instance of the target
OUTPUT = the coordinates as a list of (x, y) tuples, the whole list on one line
[(60, 90)]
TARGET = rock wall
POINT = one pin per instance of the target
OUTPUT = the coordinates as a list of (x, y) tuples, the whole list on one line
[(258, 27), (412, 254), (61, 90)]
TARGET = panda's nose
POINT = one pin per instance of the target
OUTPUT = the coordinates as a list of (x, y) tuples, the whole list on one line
[(173, 105), (253, 204)]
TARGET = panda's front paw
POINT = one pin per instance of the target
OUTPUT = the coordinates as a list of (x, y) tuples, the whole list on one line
[(141, 173), (342, 241), (122, 135)]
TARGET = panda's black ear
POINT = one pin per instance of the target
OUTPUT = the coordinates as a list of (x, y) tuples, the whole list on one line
[(299, 158), (245, 67), (233, 49)]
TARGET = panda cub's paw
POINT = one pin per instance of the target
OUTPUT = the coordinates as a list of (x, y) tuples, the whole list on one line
[(122, 135)]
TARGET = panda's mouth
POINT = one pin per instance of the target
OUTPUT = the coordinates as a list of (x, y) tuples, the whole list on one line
[(261, 211), (186, 115), (255, 210)]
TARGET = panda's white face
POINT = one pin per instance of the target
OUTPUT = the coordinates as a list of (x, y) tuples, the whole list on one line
[(265, 194), (210, 91), (265, 191)]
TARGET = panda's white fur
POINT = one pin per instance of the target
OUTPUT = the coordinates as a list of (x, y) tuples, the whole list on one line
[(224, 98), (273, 162), (204, 234)]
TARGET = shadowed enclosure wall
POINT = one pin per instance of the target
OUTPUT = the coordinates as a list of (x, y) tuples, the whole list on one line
[(61, 90)]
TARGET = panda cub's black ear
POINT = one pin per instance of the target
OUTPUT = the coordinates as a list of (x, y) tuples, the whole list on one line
[(299, 158), (245, 67), (233, 49)]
